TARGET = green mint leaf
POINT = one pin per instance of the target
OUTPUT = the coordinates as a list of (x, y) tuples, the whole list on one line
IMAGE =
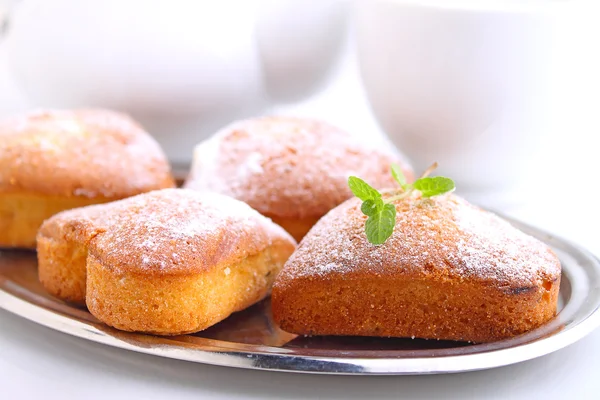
[(399, 175), (433, 186), (362, 189), (372, 207), (379, 226)]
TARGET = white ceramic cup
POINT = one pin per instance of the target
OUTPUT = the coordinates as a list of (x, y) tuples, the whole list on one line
[(182, 68), (478, 86)]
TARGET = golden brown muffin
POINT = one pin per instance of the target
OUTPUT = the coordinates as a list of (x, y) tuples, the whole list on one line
[(57, 160), (449, 271), (292, 170), (167, 262)]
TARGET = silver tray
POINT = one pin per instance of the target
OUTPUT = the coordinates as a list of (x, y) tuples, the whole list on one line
[(250, 339)]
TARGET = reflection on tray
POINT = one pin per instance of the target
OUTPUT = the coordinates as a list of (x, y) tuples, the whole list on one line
[(252, 326), (370, 343)]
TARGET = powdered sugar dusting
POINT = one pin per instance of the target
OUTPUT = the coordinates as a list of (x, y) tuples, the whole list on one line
[(84, 153), (288, 167), (443, 236), (175, 231), (252, 165)]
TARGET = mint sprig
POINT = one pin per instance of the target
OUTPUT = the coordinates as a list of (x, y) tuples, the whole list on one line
[(380, 226), (430, 187), (362, 189), (382, 211), (399, 176)]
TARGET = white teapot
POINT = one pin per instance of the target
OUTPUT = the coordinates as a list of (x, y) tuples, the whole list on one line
[(182, 68)]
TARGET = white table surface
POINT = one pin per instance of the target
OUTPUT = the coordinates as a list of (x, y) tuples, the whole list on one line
[(36, 362)]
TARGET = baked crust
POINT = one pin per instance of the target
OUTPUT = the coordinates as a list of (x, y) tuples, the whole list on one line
[(449, 271), (297, 227), (21, 214), (166, 262), (179, 304), (289, 168), (56, 160), (87, 153)]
